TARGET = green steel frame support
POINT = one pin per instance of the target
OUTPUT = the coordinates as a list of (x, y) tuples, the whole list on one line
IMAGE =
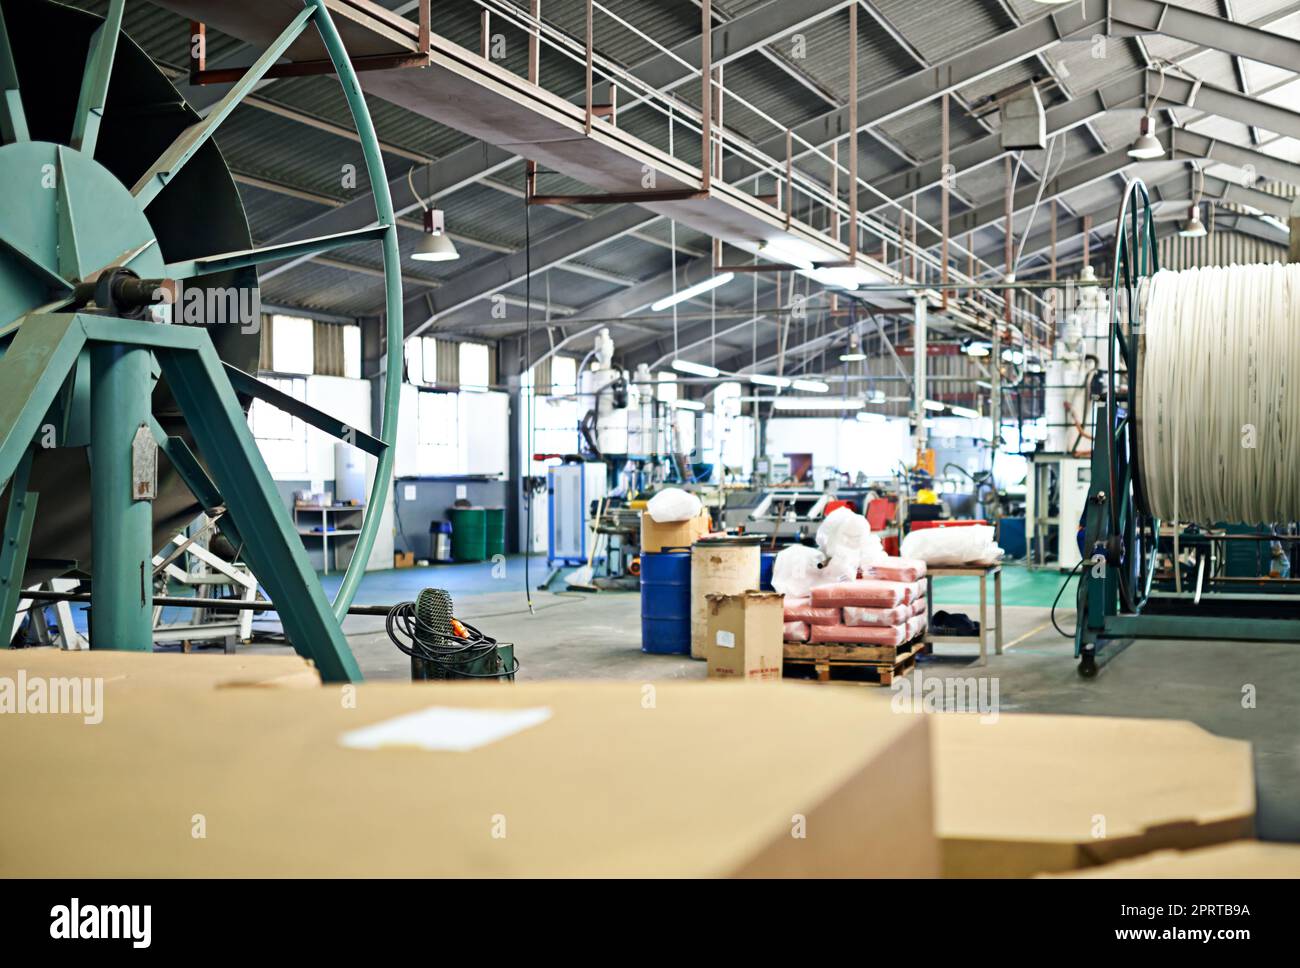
[(17, 535), (121, 527), (33, 372)]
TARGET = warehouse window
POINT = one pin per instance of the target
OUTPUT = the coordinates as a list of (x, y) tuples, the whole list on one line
[(422, 361), (475, 367), (667, 386), (564, 376), (352, 352), (293, 344), (439, 433), (281, 437)]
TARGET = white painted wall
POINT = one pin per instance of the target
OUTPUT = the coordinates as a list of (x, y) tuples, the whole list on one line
[(850, 446)]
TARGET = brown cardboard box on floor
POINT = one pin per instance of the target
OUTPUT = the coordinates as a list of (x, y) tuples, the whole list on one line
[(620, 778), (1243, 859), (404, 559), (673, 534), (745, 636), (1025, 794), (168, 669)]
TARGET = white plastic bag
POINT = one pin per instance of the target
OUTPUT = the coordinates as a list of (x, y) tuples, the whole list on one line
[(848, 543), (967, 545), (796, 570), (673, 504)]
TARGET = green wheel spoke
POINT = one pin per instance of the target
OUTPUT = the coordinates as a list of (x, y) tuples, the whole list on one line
[(94, 81), (274, 253), (189, 141), (13, 121)]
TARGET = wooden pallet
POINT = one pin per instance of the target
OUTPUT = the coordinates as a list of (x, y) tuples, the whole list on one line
[(849, 661)]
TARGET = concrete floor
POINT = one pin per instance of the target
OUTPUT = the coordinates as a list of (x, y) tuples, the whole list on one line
[(577, 635)]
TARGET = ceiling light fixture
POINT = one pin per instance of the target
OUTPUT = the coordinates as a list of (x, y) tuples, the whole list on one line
[(965, 412), (688, 404), (1147, 145), (933, 405), (1195, 229), (801, 255), (817, 403), (435, 244), (763, 379), (692, 291), (695, 369), (854, 353), (811, 386)]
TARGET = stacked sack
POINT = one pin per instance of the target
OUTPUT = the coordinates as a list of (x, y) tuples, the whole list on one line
[(885, 606), (847, 589)]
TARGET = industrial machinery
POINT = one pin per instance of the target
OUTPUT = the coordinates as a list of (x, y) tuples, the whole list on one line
[(116, 203), (1074, 378), (190, 562), (1142, 578)]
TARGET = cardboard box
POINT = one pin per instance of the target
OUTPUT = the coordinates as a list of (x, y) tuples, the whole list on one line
[(674, 534), (745, 635), (404, 559), (1026, 794), (682, 778), (1243, 859), (161, 669)]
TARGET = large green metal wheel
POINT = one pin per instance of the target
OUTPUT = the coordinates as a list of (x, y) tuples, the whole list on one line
[(107, 167)]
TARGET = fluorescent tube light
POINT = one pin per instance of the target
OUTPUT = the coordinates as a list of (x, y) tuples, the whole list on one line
[(698, 369), (690, 292), (818, 403), (811, 386)]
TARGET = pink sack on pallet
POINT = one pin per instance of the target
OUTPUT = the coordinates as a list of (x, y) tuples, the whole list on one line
[(796, 631), (897, 569), (913, 591), (801, 610), (915, 626), (866, 617), (861, 635), (864, 593), (918, 606)]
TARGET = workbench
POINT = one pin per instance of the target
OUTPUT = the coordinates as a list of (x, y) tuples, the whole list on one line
[(983, 572)]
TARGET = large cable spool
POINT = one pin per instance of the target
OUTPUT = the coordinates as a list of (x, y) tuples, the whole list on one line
[(199, 214), (1218, 386), (107, 174)]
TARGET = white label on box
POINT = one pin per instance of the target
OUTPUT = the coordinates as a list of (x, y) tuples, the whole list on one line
[(462, 492), (408, 492), (726, 640), (445, 728)]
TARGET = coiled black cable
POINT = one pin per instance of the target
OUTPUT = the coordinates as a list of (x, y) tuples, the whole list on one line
[(445, 656)]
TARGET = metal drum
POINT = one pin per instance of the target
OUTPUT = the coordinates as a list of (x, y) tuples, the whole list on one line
[(766, 564), (722, 565), (468, 534), (666, 602)]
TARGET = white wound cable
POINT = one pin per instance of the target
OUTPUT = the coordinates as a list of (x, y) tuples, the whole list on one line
[(1220, 394)]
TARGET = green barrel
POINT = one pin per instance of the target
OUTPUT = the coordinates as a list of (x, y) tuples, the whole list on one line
[(496, 532), (468, 534)]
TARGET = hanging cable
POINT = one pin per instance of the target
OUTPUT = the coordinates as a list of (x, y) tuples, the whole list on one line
[(531, 495)]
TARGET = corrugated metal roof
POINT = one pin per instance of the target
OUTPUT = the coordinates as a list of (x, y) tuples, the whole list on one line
[(305, 161)]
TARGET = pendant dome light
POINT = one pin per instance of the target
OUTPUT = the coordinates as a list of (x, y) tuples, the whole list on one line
[(434, 245)]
